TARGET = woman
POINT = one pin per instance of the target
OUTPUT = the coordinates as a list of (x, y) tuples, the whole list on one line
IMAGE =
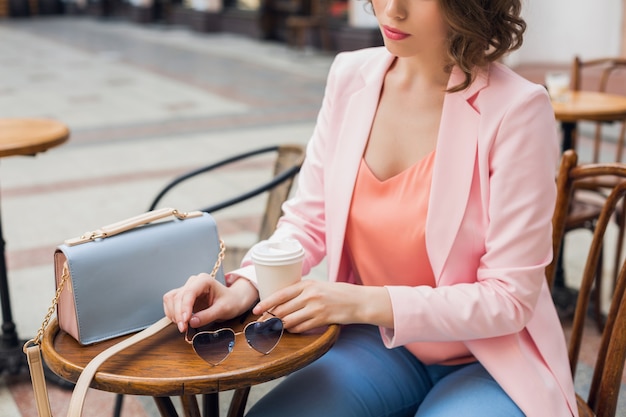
[(429, 186)]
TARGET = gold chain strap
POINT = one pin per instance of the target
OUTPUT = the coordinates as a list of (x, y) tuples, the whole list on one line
[(220, 258), (39, 336), (66, 275)]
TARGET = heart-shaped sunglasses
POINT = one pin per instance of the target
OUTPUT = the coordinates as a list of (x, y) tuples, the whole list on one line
[(214, 346)]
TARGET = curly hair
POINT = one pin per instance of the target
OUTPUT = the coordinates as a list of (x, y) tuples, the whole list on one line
[(481, 31)]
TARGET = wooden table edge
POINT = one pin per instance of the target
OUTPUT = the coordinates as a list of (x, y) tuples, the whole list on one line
[(60, 135), (175, 386), (563, 113)]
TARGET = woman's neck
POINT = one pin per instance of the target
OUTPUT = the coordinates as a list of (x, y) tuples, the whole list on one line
[(420, 74)]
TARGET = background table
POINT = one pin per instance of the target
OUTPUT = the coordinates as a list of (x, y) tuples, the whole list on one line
[(165, 365), (589, 106), (20, 137)]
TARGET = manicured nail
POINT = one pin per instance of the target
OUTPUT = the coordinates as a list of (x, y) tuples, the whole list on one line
[(181, 326)]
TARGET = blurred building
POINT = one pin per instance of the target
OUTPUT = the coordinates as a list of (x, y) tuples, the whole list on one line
[(558, 29)]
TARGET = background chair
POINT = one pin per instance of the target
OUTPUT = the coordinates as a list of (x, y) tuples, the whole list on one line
[(287, 163), (609, 366), (602, 75), (298, 26)]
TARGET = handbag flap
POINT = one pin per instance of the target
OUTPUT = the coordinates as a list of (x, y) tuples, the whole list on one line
[(118, 282)]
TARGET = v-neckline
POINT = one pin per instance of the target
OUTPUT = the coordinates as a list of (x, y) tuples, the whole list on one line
[(400, 174)]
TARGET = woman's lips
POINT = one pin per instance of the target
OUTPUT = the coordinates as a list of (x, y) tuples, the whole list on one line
[(394, 34)]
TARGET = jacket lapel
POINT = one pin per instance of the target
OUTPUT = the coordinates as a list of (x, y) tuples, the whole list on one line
[(353, 135), (453, 169)]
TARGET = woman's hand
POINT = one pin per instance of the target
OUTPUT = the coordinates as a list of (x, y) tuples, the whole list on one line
[(203, 300), (309, 304)]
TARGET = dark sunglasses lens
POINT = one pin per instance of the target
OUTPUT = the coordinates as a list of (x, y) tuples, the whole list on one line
[(264, 336), (214, 347)]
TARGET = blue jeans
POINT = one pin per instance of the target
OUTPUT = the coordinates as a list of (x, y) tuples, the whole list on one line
[(360, 377)]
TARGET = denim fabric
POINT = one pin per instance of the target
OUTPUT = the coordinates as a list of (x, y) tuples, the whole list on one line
[(360, 377)]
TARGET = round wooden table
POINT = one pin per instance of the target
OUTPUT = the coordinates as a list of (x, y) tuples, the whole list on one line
[(21, 137), (587, 105), (30, 136), (165, 365)]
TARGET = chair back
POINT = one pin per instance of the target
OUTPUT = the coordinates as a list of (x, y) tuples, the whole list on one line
[(602, 75), (564, 196), (609, 366), (288, 158), (287, 163)]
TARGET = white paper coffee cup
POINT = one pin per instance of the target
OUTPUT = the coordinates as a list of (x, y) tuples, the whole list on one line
[(558, 85), (277, 265)]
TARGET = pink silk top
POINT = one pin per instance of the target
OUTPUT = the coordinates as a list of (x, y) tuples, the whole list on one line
[(386, 241)]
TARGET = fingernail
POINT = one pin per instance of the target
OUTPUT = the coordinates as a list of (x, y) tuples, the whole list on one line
[(181, 326)]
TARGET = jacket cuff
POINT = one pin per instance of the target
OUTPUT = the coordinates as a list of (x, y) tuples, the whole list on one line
[(404, 325), (246, 272)]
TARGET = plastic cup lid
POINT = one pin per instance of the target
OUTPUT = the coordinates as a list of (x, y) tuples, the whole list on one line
[(288, 250)]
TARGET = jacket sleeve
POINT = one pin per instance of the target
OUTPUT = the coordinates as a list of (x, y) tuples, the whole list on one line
[(304, 216)]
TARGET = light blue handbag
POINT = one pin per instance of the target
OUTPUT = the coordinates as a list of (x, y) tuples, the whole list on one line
[(111, 282)]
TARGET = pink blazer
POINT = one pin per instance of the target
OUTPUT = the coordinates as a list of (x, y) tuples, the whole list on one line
[(488, 231)]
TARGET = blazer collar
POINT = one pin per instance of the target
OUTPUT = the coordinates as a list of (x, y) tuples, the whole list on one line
[(352, 139)]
